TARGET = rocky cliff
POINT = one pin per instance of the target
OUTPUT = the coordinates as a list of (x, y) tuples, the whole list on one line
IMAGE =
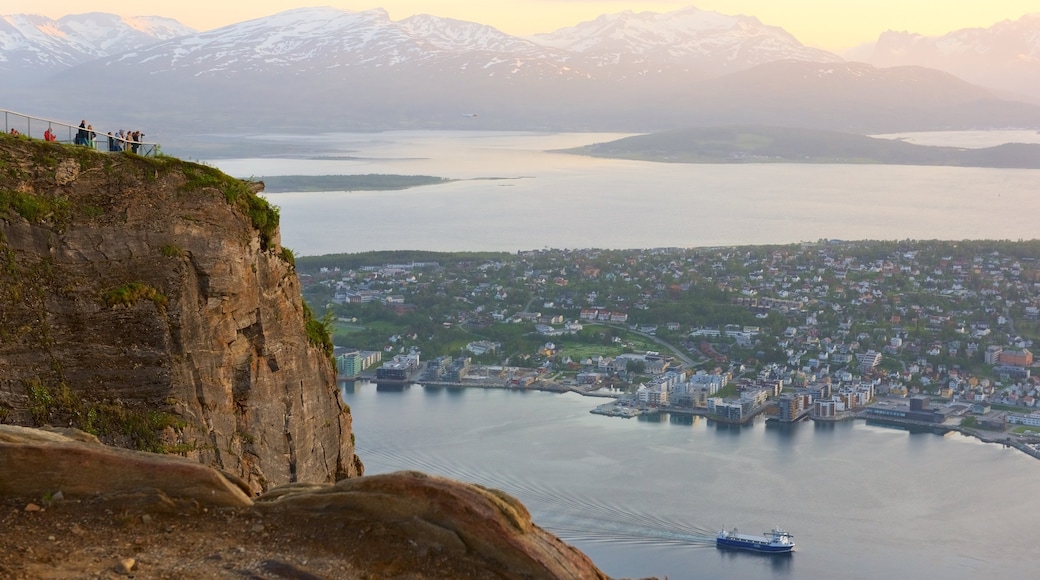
[(148, 301)]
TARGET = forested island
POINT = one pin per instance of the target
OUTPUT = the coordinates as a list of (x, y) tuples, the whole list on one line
[(370, 182), (757, 144)]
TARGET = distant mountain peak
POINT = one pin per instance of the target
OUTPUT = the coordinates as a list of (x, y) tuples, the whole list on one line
[(36, 45), (1004, 56), (708, 40)]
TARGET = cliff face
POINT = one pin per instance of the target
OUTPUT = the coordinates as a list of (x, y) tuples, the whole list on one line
[(148, 301)]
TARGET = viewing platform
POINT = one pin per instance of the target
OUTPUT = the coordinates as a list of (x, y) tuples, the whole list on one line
[(23, 125)]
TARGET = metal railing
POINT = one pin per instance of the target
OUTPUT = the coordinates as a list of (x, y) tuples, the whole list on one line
[(38, 128)]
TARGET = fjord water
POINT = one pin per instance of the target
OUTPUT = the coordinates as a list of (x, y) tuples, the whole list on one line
[(645, 497), (557, 200)]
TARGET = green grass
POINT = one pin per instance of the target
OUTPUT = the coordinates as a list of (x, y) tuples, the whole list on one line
[(34, 208), (319, 332), (59, 405), (172, 251), (132, 293)]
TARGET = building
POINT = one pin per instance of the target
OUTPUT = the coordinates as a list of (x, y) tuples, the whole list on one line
[(1032, 420), (400, 368), (918, 410), (727, 410), (992, 356), (1017, 358), (791, 407), (349, 364), (868, 360)]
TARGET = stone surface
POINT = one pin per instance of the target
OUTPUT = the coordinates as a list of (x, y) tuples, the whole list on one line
[(173, 518), (215, 364), (38, 464)]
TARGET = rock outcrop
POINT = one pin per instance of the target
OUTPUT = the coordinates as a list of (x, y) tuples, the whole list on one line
[(107, 509), (148, 301)]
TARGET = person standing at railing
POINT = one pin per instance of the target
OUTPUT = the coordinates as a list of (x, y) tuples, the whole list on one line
[(91, 135), (113, 145), (49, 135), (81, 135)]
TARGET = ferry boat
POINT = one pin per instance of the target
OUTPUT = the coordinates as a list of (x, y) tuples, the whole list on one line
[(775, 541)]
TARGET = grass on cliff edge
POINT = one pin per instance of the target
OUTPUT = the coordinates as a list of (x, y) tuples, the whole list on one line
[(60, 405), (262, 214), (34, 208)]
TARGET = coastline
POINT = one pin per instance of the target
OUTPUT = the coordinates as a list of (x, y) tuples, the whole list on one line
[(612, 409)]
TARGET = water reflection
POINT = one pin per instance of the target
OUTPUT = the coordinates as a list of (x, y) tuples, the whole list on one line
[(683, 419), (784, 432), (653, 417), (779, 563)]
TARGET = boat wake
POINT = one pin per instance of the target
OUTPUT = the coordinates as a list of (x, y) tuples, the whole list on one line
[(571, 516)]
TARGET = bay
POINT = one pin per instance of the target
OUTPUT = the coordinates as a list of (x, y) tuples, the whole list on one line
[(645, 497), (556, 200)]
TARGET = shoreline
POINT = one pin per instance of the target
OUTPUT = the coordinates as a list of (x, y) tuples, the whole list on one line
[(609, 410)]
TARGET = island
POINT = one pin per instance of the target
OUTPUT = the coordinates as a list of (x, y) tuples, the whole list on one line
[(369, 182), (759, 144)]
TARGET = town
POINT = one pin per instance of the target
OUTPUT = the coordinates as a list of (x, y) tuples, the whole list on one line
[(923, 334)]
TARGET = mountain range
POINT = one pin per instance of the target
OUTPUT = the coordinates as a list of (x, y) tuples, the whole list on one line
[(324, 68), (1005, 56), (34, 47)]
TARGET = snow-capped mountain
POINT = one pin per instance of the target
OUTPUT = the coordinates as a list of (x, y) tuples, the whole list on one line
[(707, 40), (322, 40), (325, 68), (35, 46), (614, 46), (1005, 56)]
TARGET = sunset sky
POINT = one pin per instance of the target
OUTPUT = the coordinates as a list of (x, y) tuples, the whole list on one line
[(829, 24)]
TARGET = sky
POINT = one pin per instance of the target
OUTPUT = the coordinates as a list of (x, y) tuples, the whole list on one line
[(833, 25)]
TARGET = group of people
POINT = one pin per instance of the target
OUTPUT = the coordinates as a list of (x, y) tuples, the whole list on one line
[(122, 141), (85, 135), (125, 140)]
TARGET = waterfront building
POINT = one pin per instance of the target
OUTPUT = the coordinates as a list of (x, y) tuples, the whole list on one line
[(792, 407), (400, 368), (1032, 420), (349, 364), (727, 410), (826, 409), (918, 410), (652, 395)]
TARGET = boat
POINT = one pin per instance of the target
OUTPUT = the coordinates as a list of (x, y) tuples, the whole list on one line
[(775, 541)]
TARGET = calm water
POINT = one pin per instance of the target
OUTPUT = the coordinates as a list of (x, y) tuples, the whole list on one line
[(564, 201), (644, 497)]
